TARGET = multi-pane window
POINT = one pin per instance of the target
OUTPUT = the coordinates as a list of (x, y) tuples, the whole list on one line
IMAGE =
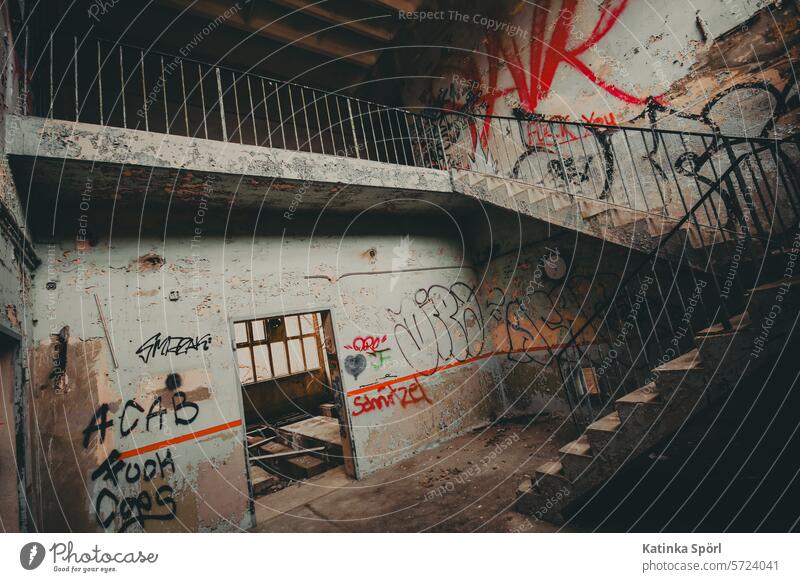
[(277, 346)]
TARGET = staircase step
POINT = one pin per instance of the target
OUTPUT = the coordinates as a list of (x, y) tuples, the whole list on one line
[(576, 457), (590, 208), (643, 402), (784, 293), (686, 371), (738, 322), (602, 431)]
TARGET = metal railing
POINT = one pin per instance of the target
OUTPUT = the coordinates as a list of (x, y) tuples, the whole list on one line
[(658, 172), (110, 84), (697, 276)]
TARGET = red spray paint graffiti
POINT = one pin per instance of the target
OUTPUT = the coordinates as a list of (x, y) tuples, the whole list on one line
[(405, 396), (369, 343), (549, 50)]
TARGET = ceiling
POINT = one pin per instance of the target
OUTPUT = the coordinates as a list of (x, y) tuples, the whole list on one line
[(330, 44)]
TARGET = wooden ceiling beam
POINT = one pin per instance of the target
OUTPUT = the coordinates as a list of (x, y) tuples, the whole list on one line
[(265, 22), (398, 5), (375, 28)]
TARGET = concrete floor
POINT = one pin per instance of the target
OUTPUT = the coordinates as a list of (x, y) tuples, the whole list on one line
[(467, 484)]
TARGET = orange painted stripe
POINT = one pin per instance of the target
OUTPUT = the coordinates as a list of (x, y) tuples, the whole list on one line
[(180, 439), (432, 371)]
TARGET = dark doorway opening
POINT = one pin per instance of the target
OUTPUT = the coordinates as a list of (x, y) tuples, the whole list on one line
[(291, 394)]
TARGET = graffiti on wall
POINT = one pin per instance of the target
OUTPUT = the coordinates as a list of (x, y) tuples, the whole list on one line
[(439, 325), (389, 396), (175, 345), (136, 490), (157, 505)]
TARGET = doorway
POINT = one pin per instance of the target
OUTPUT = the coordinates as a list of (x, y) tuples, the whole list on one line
[(292, 399)]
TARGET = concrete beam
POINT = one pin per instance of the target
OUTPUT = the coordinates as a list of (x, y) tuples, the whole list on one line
[(38, 138)]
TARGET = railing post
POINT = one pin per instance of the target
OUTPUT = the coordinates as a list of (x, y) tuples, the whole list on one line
[(441, 144), (353, 127), (221, 106)]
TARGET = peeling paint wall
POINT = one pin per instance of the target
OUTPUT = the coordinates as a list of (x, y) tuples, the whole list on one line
[(118, 449), (14, 299), (721, 65)]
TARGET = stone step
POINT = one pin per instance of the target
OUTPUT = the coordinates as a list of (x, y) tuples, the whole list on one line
[(686, 371), (724, 353), (643, 402), (576, 457), (602, 431), (774, 304), (550, 469)]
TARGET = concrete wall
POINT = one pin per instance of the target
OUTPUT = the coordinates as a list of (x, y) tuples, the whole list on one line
[(14, 299), (372, 284), (700, 66)]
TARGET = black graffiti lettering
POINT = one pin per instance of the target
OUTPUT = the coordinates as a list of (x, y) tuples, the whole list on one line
[(133, 476), (99, 423), (175, 345), (153, 413), (165, 462), (105, 518), (149, 469), (109, 468), (179, 402), (140, 507), (122, 429), (447, 318), (164, 498)]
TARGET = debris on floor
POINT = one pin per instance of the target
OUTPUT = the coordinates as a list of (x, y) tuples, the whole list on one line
[(290, 450)]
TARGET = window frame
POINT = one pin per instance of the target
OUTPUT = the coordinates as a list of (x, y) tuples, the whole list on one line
[(251, 343)]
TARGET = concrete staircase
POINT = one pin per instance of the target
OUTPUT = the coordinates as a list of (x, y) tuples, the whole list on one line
[(643, 229), (678, 389)]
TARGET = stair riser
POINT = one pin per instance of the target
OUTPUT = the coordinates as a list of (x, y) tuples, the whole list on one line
[(600, 439), (670, 380), (771, 315), (725, 355), (638, 413), (575, 465)]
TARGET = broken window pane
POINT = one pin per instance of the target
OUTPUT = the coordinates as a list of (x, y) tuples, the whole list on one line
[(245, 365), (263, 370), (312, 355), (279, 359), (307, 323), (258, 330), (240, 332), (292, 327), (296, 356)]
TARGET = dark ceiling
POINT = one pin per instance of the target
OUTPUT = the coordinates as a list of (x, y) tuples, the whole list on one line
[(329, 44)]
